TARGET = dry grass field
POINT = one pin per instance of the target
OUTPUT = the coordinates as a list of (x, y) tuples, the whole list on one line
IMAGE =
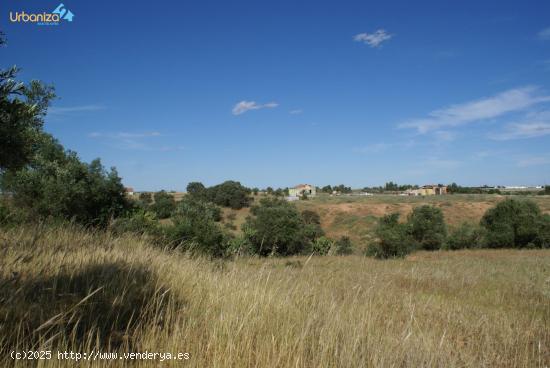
[(69, 289)]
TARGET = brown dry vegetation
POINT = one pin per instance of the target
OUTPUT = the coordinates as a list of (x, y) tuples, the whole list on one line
[(68, 289), (356, 216)]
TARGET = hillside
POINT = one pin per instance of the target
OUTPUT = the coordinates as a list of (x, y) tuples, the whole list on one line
[(356, 216)]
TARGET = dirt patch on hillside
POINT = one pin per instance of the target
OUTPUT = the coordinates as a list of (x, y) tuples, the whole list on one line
[(357, 220)]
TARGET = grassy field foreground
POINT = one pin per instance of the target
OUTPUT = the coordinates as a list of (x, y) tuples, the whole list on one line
[(67, 289)]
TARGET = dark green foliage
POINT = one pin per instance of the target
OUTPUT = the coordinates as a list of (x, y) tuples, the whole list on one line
[(343, 246), (341, 188), (394, 187), (326, 189), (197, 208), (22, 111), (229, 194), (455, 188), (543, 238), (427, 227), (146, 198), (465, 236), (196, 190), (393, 239), (164, 204), (196, 228), (139, 222), (10, 216), (275, 227), (57, 184), (514, 224)]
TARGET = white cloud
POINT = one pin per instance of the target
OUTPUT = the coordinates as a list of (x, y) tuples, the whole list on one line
[(442, 164), (444, 136), (534, 161), (70, 109), (124, 135), (244, 106), (545, 34), (132, 141), (373, 39), (373, 148), (535, 125), (296, 112), (513, 100)]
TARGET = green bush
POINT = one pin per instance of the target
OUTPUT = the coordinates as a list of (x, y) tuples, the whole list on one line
[(465, 236), (514, 224), (196, 190), (196, 229), (427, 227), (229, 194), (392, 240), (146, 198), (276, 227), (139, 222), (10, 216), (322, 245), (343, 246), (56, 184), (312, 225), (164, 205), (239, 246), (543, 238)]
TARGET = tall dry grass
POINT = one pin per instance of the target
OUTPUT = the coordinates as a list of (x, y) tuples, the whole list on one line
[(69, 289)]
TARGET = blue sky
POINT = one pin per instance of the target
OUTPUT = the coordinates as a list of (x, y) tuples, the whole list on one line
[(280, 93)]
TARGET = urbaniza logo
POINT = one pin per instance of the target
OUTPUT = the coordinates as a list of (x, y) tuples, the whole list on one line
[(53, 18)]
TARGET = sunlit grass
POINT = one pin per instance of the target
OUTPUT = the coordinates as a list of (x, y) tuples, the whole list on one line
[(71, 289)]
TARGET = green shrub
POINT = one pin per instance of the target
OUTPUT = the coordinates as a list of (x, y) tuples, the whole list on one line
[(465, 236), (56, 184), (513, 224), (239, 246), (138, 222), (322, 245), (196, 190), (196, 228), (312, 225), (229, 194), (276, 227), (10, 216), (146, 198), (543, 238), (427, 227), (392, 240), (164, 205), (343, 246)]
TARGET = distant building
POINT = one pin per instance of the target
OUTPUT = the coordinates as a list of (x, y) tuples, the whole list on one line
[(129, 191), (300, 190), (427, 190)]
